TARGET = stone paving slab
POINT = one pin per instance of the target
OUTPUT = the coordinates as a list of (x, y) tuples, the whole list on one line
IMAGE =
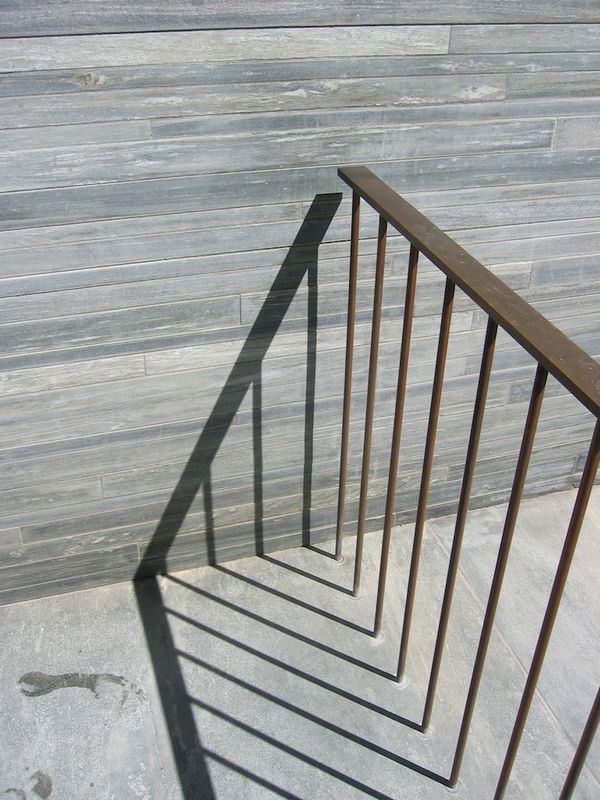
[(259, 679)]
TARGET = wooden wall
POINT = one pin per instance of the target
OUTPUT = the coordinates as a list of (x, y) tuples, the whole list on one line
[(163, 312)]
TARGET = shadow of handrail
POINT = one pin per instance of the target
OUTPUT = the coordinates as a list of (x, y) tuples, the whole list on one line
[(246, 375)]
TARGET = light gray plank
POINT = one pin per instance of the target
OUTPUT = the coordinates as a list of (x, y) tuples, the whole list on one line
[(290, 344), (117, 325), (531, 249), (97, 515), (145, 76), (174, 268), (251, 97), (227, 240), (579, 270), (107, 78), (116, 573), (193, 193), (243, 44), (110, 349), (223, 251), (142, 515), (528, 230), (198, 286), (133, 160), (130, 227), (63, 376), (226, 511), (86, 456), (119, 562), (333, 298), (48, 495), (550, 217), (577, 133), (142, 15), (556, 309), (320, 119), (513, 216), (10, 537), (583, 330), (152, 401), (524, 38), (571, 84), (192, 395), (74, 135)]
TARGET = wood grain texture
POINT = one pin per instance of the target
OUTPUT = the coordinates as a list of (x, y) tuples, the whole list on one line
[(58, 81), (579, 133), (130, 104), (143, 15), (213, 46), (154, 180), (138, 161), (525, 38), (191, 193)]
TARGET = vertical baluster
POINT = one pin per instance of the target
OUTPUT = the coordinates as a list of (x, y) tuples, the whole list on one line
[(409, 302), (514, 503), (560, 579), (461, 517), (434, 412), (353, 277), (587, 737), (372, 379)]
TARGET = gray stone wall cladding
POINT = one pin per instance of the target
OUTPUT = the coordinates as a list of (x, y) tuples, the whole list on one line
[(174, 265)]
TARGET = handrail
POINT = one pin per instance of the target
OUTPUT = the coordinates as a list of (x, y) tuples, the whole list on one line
[(554, 353), (560, 356)]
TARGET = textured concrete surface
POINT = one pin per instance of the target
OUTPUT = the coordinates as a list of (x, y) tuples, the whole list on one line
[(258, 678)]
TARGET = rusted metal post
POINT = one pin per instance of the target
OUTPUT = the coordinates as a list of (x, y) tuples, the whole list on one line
[(587, 737), (514, 503), (353, 277), (560, 579), (461, 517), (409, 302), (372, 380), (434, 413)]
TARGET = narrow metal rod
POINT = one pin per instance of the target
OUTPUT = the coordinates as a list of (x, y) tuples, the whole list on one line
[(409, 302), (461, 517), (560, 579), (375, 326), (353, 277), (587, 737), (434, 412), (514, 502)]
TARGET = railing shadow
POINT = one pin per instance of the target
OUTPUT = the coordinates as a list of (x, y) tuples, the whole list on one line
[(300, 262)]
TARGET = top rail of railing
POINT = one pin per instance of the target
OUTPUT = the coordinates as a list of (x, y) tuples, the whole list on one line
[(560, 356)]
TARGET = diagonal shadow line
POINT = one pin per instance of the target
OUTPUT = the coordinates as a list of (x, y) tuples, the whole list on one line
[(319, 721), (301, 259), (313, 762), (187, 749), (330, 687), (294, 600), (244, 372), (322, 552), (304, 574), (282, 629), (251, 776)]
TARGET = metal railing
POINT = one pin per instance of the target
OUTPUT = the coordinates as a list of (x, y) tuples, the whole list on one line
[(554, 353)]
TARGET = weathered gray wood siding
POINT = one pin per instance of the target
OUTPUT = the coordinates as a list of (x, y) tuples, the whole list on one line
[(156, 168)]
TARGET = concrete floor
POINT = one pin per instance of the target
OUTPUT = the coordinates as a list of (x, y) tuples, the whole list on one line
[(263, 684)]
